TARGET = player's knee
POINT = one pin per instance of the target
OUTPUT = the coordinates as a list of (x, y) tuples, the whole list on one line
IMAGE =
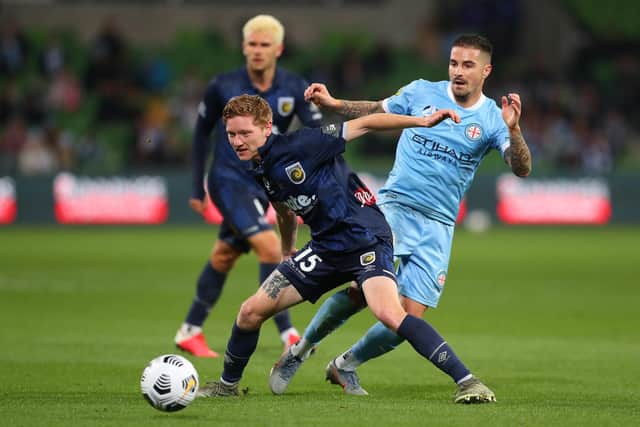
[(250, 317), (223, 261), (390, 317)]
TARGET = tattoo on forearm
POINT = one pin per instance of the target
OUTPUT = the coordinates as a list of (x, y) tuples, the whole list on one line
[(355, 109), (519, 155), (274, 284)]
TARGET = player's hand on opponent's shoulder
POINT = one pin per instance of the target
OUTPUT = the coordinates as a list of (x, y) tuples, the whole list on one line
[(198, 205), (319, 95), (439, 116), (511, 110)]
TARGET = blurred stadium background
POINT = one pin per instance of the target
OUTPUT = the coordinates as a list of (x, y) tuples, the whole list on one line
[(83, 85)]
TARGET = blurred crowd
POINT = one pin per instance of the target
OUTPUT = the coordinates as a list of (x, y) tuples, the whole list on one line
[(109, 106)]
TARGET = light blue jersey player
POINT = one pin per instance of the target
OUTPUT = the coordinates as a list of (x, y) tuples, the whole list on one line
[(433, 169)]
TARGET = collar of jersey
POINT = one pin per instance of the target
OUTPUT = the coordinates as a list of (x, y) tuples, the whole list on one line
[(474, 107), (274, 84), (264, 150)]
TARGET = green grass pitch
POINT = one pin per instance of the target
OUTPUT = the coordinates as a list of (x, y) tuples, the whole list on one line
[(547, 317)]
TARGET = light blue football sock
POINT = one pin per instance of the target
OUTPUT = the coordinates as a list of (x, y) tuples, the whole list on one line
[(331, 314), (377, 341)]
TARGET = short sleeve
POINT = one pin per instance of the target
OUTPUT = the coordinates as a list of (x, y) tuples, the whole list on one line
[(501, 140), (320, 144), (400, 103), (210, 108)]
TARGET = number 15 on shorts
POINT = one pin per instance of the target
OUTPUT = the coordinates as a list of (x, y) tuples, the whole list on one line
[(306, 260)]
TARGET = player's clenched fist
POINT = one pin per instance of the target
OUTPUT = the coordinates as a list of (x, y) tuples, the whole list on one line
[(319, 95)]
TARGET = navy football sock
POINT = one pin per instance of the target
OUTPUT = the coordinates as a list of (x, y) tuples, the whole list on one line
[(432, 346), (240, 347), (208, 290), (282, 319)]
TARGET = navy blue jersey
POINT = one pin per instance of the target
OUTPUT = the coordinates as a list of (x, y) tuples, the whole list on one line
[(286, 98), (305, 170)]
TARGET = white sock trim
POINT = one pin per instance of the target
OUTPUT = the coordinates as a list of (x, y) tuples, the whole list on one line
[(347, 361), (465, 378), (227, 382), (301, 347), (189, 330)]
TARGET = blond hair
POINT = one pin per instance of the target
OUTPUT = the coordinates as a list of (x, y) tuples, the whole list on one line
[(248, 105), (266, 23)]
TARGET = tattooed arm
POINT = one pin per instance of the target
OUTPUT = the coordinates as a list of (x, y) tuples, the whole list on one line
[(288, 226), (355, 109), (319, 95), (517, 155)]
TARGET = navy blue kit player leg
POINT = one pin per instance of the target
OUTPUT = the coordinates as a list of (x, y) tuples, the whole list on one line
[(433, 168), (304, 174), (233, 190)]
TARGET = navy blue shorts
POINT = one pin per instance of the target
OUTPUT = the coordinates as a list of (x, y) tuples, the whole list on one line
[(315, 273), (243, 207)]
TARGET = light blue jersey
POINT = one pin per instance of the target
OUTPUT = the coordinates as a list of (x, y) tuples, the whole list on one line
[(435, 166)]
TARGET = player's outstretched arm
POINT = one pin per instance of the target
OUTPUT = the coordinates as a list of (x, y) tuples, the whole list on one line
[(319, 95), (288, 226), (383, 121), (517, 155)]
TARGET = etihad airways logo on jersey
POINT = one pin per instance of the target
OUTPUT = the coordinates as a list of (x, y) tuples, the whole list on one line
[(438, 151), (301, 204)]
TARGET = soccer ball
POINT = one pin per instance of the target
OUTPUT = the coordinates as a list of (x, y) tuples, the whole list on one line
[(169, 383)]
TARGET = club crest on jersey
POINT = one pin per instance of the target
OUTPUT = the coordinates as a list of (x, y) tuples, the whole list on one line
[(367, 258), (442, 278), (295, 173), (473, 132), (285, 105)]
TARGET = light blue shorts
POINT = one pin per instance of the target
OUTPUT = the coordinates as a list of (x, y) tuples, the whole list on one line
[(422, 248)]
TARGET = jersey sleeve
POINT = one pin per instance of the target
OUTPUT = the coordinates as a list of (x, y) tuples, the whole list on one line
[(210, 108), (501, 139), (321, 144), (308, 113), (209, 111), (400, 103)]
